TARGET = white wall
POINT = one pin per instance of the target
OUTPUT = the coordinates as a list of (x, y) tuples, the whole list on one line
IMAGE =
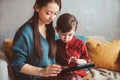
[(13, 13), (95, 17)]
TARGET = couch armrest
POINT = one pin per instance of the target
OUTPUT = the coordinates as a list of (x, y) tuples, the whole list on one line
[(6, 72)]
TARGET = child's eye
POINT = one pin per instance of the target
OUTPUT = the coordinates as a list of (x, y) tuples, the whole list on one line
[(70, 34)]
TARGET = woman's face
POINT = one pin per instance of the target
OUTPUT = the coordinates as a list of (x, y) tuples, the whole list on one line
[(48, 13)]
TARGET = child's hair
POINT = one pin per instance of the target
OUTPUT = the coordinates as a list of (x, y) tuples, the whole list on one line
[(66, 22)]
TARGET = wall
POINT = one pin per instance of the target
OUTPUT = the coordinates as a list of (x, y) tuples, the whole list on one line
[(95, 17)]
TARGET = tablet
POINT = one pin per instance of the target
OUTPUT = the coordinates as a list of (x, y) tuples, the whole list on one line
[(78, 67)]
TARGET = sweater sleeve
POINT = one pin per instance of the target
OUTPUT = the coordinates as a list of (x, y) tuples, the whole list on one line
[(22, 44), (20, 52)]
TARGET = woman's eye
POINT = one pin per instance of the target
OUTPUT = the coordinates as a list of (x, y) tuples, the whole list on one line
[(55, 13), (48, 13)]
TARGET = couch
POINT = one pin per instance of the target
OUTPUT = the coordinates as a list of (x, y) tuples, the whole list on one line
[(105, 54)]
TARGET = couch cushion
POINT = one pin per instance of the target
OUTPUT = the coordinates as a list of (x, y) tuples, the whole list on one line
[(7, 44), (104, 55)]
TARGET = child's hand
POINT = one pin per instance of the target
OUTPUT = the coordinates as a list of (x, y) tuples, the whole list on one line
[(76, 60), (72, 60), (81, 61)]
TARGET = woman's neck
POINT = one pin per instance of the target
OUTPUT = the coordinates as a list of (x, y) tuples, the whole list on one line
[(42, 30)]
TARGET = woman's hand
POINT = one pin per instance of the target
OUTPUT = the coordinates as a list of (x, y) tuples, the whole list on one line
[(76, 60), (51, 70)]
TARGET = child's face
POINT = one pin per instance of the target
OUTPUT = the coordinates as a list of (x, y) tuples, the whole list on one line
[(66, 37)]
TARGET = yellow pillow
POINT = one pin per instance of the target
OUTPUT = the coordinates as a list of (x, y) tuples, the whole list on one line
[(104, 55), (7, 43)]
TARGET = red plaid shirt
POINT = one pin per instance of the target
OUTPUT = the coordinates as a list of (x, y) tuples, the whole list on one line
[(76, 48)]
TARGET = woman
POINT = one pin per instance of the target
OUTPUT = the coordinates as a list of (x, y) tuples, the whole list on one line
[(34, 44)]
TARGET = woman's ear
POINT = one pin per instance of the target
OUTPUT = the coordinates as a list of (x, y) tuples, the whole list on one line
[(36, 7)]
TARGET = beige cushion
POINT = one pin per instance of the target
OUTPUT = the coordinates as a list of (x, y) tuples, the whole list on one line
[(7, 43), (104, 55)]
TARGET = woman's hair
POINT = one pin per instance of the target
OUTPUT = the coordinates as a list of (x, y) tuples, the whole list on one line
[(66, 22), (50, 33), (42, 3)]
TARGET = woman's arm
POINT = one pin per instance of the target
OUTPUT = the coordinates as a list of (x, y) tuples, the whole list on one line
[(50, 70)]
